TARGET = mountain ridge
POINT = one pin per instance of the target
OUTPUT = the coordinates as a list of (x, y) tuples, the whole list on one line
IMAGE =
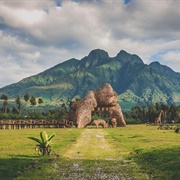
[(134, 81)]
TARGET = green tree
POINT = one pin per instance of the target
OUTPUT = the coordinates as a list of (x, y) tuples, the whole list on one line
[(151, 114), (18, 102), (5, 103), (33, 102), (14, 110), (158, 107), (63, 111), (44, 143), (144, 113), (26, 98), (40, 101), (172, 112), (165, 109), (178, 114)]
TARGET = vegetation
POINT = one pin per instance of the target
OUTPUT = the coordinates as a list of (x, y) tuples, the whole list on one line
[(144, 114), (5, 103), (137, 115), (26, 99), (17, 156), (44, 144), (19, 104), (155, 151), (136, 151)]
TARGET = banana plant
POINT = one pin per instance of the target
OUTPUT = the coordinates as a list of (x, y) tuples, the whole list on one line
[(44, 143)]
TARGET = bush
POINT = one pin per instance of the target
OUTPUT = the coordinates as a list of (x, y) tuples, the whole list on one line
[(133, 121)]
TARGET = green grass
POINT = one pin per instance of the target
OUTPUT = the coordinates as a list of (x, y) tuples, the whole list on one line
[(157, 152), (18, 152), (125, 152)]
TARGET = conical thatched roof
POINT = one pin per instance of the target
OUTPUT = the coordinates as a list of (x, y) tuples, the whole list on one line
[(106, 96)]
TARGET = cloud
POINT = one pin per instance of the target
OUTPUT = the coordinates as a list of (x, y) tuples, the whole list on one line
[(12, 71), (46, 32), (171, 59)]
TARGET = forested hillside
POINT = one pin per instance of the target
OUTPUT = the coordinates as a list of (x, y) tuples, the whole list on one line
[(134, 81)]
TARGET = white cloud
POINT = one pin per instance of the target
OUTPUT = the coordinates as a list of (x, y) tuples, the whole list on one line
[(41, 34), (12, 71), (171, 59), (32, 56), (172, 56), (13, 43)]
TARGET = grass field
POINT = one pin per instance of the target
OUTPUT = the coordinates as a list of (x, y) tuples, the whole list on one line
[(132, 152)]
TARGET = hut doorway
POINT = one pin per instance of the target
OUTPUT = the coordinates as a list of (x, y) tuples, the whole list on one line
[(101, 113)]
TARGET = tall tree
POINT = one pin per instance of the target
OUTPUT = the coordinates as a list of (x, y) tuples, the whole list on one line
[(172, 112), (33, 102), (26, 98), (158, 107), (5, 103), (165, 109), (144, 112), (40, 101), (14, 110), (151, 113), (18, 102)]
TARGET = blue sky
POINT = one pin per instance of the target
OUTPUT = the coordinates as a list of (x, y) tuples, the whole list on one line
[(127, 1), (36, 35)]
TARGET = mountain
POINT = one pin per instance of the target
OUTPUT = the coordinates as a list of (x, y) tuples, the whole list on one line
[(134, 81)]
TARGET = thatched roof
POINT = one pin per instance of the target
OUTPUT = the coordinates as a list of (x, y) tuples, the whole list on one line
[(104, 97)]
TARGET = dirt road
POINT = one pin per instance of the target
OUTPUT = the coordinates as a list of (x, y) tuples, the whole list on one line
[(92, 145), (93, 157)]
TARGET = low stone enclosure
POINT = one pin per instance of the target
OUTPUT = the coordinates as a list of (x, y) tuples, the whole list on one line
[(104, 98), (26, 124)]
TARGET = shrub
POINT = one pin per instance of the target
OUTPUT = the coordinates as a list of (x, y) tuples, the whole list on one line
[(44, 144)]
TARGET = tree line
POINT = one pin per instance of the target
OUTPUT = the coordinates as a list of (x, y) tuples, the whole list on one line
[(17, 110), (137, 115), (6, 112), (148, 114)]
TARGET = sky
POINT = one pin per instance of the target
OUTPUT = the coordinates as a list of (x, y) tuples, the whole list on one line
[(36, 35)]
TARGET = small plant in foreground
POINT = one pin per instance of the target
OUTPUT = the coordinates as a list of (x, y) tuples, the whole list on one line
[(44, 143)]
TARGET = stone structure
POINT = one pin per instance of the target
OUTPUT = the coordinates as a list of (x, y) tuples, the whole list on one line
[(105, 98)]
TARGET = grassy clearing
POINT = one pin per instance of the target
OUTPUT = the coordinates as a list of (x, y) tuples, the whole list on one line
[(18, 152), (157, 152), (134, 152)]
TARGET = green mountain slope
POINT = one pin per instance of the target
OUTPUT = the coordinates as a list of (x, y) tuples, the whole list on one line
[(134, 81)]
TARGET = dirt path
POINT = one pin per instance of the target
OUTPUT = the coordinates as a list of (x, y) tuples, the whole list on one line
[(92, 145), (92, 157)]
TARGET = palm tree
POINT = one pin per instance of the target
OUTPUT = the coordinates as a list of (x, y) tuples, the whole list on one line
[(26, 98), (5, 103), (40, 101), (18, 102), (33, 102), (44, 144)]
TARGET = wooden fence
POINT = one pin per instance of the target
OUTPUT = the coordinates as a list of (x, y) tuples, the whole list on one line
[(26, 124)]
